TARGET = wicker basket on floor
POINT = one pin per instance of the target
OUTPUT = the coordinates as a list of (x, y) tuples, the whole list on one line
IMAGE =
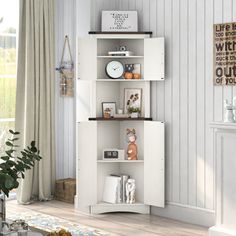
[(65, 190)]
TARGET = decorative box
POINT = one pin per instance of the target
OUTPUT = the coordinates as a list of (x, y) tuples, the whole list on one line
[(65, 190)]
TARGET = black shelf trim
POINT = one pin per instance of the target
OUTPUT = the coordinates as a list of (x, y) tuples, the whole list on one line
[(119, 119), (115, 32)]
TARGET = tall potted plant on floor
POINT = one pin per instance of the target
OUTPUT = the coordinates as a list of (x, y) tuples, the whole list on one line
[(13, 165)]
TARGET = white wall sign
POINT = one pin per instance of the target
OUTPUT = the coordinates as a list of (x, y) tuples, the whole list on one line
[(120, 21)]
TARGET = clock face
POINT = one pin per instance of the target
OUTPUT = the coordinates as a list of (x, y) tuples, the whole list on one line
[(114, 69)]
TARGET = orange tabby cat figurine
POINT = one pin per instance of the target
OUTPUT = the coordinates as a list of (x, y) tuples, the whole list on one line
[(132, 150)]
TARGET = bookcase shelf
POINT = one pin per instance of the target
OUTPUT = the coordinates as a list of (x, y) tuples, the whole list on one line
[(119, 119), (120, 161), (121, 80), (124, 33), (137, 207), (119, 57)]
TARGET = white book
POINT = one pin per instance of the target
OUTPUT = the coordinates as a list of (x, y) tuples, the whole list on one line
[(118, 195), (122, 187), (124, 181), (121, 53), (111, 189)]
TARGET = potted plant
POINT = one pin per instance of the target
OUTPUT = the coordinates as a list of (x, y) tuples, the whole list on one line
[(13, 166), (134, 112)]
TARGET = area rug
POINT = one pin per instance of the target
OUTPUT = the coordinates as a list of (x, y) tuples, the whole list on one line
[(50, 223)]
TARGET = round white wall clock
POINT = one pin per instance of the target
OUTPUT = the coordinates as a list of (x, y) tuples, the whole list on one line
[(114, 69)]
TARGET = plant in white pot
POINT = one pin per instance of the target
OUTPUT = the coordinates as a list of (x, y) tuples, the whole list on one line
[(134, 112), (13, 165)]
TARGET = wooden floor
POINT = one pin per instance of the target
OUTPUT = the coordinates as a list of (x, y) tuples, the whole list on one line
[(115, 223)]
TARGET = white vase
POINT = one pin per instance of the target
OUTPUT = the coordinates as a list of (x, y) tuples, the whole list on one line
[(229, 116), (134, 115), (2, 207)]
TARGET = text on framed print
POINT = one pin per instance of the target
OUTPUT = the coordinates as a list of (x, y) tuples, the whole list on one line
[(120, 21), (224, 67)]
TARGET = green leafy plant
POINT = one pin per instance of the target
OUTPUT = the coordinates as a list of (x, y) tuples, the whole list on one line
[(12, 166), (134, 110)]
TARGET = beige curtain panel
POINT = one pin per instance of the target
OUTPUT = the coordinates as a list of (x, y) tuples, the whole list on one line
[(35, 95)]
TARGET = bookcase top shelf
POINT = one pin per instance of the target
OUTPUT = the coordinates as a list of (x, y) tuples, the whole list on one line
[(117, 32), (119, 57), (119, 119), (122, 80)]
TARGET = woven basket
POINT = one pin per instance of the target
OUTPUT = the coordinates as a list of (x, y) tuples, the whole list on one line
[(65, 190)]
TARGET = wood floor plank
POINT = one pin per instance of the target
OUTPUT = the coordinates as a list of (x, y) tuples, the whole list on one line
[(117, 224), (169, 223), (157, 225)]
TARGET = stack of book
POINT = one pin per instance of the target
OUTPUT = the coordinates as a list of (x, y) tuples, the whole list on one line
[(115, 188)]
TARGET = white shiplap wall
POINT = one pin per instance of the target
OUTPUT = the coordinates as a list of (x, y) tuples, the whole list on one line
[(187, 100), (72, 18), (65, 112)]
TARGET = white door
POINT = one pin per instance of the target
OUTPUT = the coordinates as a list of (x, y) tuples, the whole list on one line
[(85, 100), (87, 164), (154, 59), (154, 163), (87, 58)]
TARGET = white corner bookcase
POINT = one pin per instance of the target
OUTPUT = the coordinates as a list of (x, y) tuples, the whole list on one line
[(93, 133)]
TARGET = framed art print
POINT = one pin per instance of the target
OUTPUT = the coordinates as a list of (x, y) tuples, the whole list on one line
[(108, 107), (132, 99)]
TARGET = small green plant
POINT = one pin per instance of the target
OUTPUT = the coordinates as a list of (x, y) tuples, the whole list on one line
[(12, 166), (134, 110)]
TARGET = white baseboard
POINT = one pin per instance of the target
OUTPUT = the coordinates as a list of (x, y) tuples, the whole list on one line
[(219, 231), (187, 214), (76, 202)]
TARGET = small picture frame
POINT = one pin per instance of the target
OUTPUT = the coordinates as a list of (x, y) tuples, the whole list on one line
[(108, 109), (137, 68), (133, 71), (132, 99), (133, 68)]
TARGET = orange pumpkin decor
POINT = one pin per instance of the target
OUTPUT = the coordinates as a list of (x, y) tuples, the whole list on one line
[(128, 75), (136, 76)]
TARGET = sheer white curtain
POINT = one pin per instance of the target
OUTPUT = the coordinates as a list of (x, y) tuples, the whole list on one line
[(35, 94), (8, 43)]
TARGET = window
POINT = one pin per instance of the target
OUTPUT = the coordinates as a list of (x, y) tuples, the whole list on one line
[(8, 44)]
